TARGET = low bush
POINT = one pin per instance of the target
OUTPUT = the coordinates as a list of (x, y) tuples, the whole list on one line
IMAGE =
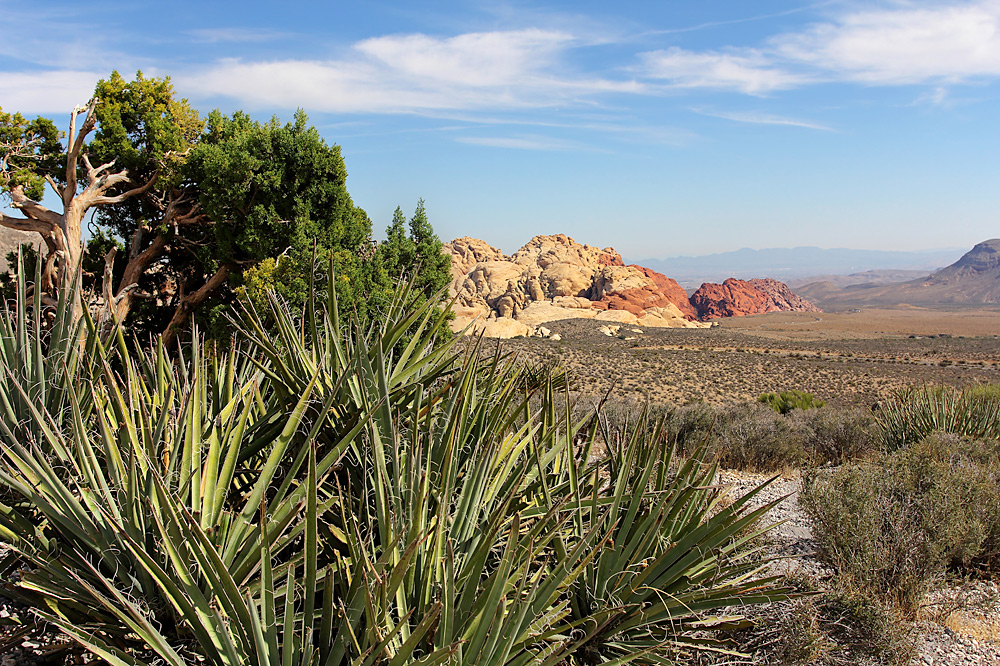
[(835, 435), (829, 627), (786, 401), (751, 436), (897, 524)]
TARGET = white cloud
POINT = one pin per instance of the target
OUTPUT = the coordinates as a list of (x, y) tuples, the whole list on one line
[(943, 43), (472, 59), (49, 93), (413, 73), (747, 70)]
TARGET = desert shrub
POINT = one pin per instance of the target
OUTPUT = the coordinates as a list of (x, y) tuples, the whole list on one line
[(828, 627), (914, 413), (754, 437), (689, 425), (897, 524), (835, 435), (786, 401)]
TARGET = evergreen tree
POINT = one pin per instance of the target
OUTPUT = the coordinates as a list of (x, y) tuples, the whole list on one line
[(432, 265)]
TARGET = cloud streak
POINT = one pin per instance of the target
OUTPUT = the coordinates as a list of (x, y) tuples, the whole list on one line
[(521, 143), (748, 71), (756, 118)]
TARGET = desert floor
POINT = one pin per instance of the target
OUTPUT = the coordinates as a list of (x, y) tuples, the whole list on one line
[(854, 357)]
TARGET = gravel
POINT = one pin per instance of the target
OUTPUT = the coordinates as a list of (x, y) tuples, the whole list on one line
[(969, 635)]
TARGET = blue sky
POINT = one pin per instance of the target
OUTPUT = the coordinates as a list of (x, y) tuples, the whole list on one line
[(659, 128)]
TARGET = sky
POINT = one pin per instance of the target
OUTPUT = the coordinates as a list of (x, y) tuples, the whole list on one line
[(660, 128)]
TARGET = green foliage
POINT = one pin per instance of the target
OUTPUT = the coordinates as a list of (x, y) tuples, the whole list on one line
[(98, 246), (417, 257), (30, 150), (897, 524), (144, 129), (331, 494), (278, 192), (785, 401), (915, 413)]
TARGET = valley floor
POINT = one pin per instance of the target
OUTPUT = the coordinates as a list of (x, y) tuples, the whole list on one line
[(847, 358)]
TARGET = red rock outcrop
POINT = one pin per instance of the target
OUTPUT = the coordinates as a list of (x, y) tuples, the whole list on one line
[(738, 298), (636, 289)]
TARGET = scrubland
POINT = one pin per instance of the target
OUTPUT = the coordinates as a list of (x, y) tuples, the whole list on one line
[(888, 448)]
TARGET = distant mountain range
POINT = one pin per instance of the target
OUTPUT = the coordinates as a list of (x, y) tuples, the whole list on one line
[(788, 264), (972, 280)]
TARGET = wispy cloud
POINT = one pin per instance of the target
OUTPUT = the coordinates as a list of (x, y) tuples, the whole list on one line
[(745, 70), (903, 44), (945, 42), (45, 93), (758, 118), (235, 35), (522, 142)]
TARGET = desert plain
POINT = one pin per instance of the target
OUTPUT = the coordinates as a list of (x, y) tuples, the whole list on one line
[(853, 357)]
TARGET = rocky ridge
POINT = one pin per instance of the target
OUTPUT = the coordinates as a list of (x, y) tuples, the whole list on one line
[(972, 280), (554, 277)]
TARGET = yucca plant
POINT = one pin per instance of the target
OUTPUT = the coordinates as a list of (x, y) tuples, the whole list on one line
[(680, 558), (913, 413), (336, 495), (41, 356)]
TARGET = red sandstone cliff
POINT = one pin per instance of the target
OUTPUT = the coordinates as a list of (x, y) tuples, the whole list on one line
[(737, 298)]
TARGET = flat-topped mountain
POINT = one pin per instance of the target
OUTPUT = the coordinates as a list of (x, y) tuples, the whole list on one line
[(972, 280), (554, 277)]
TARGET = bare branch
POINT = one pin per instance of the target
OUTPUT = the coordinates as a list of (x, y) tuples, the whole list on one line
[(75, 141), (103, 167), (191, 301), (54, 185), (26, 224), (103, 201)]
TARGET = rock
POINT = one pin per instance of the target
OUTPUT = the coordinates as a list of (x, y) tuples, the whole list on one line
[(10, 239), (502, 327), (669, 317), (554, 277), (736, 298), (671, 290)]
